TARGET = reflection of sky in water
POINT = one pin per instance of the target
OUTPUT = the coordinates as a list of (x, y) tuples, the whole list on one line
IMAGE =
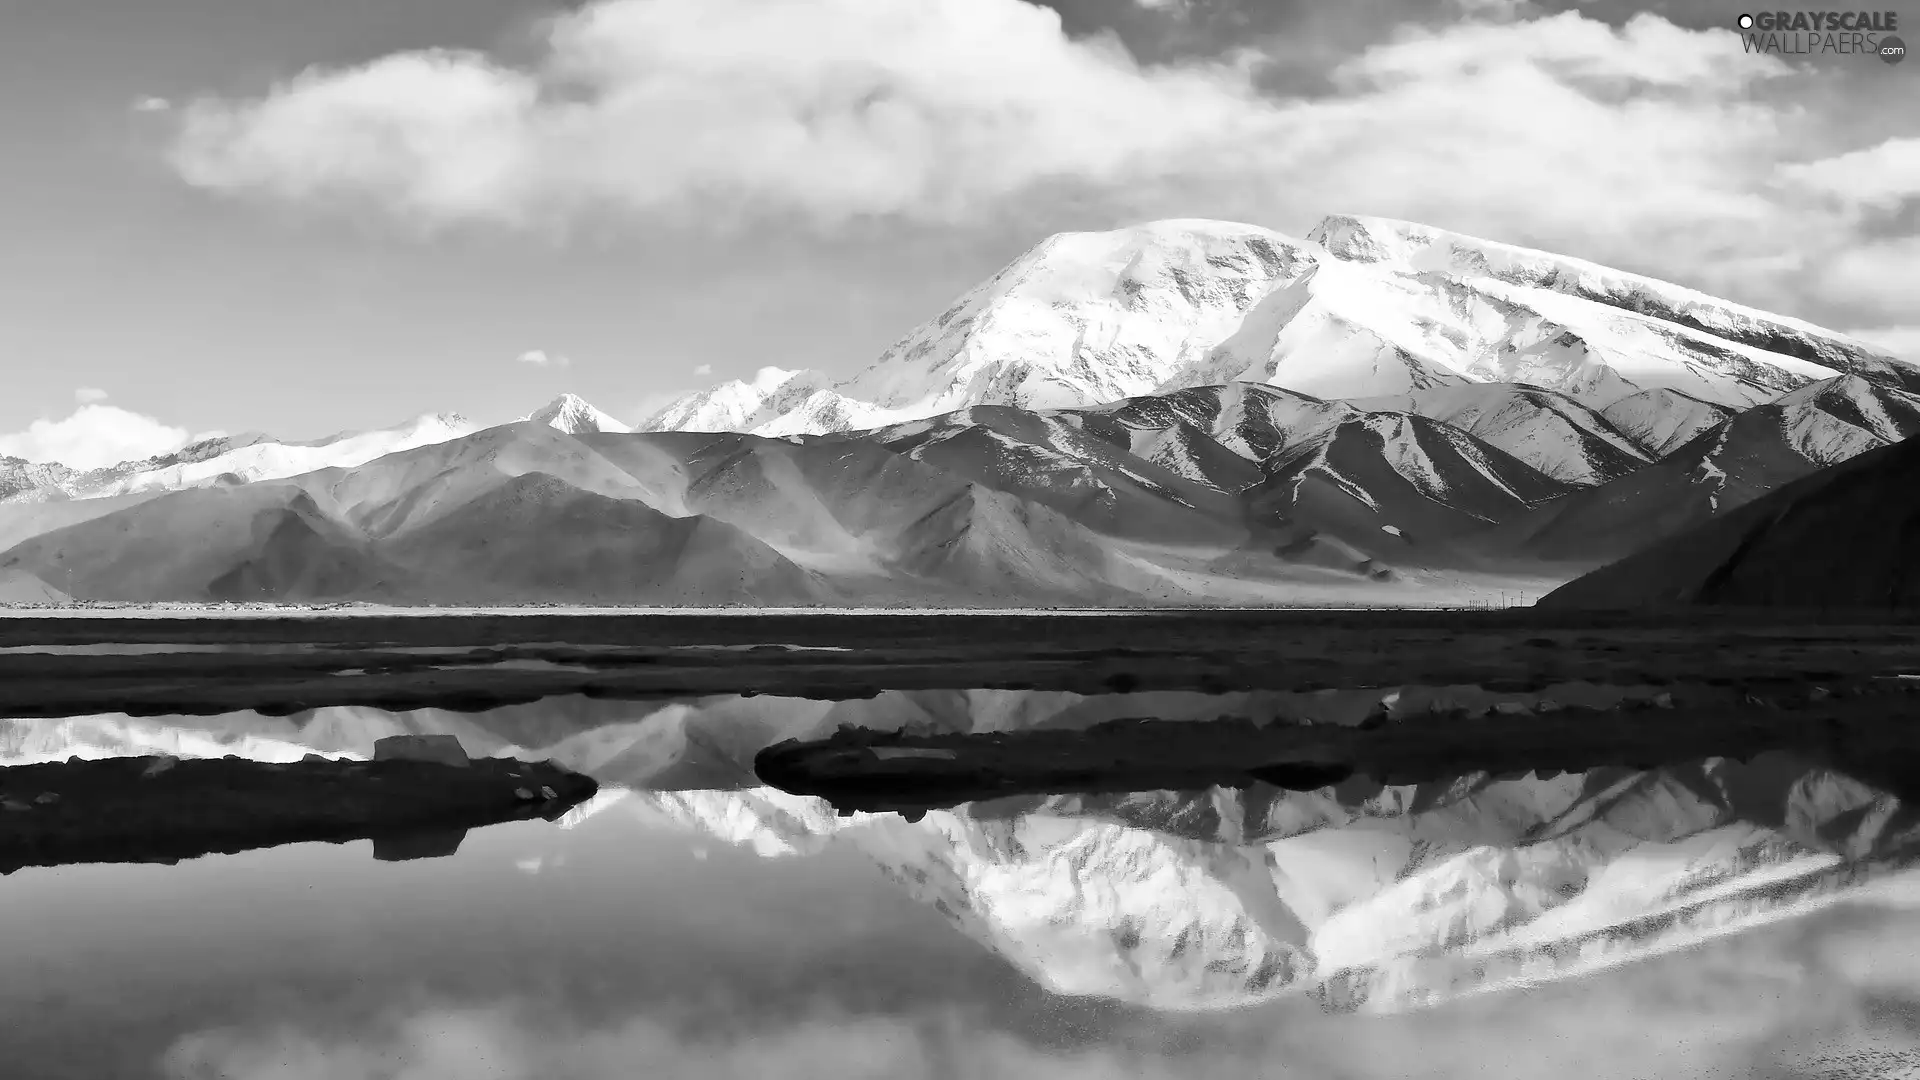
[(638, 945)]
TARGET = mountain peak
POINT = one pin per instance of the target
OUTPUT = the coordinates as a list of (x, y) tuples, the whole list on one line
[(572, 414), (1362, 307)]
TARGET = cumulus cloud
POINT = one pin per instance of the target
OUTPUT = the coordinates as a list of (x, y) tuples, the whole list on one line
[(152, 105), (1879, 177), (542, 358), (87, 395), (703, 369), (1647, 144), (97, 435)]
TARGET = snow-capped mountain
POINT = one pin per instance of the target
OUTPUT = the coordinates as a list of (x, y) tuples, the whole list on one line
[(775, 402), (1361, 308), (991, 505), (229, 460), (572, 414)]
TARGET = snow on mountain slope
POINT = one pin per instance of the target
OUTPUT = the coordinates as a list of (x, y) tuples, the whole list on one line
[(1555, 434), (1764, 337), (1400, 488), (245, 459), (774, 403), (23, 481), (1084, 318), (1728, 465), (1241, 466), (1362, 308), (1049, 459), (1661, 421), (571, 414)]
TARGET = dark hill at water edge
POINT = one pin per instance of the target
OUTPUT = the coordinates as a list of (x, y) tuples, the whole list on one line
[(1845, 537)]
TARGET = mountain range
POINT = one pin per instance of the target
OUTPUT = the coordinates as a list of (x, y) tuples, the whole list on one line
[(1180, 412)]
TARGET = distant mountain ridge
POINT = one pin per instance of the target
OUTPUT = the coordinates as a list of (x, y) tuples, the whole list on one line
[(233, 459), (1239, 493), (1181, 412)]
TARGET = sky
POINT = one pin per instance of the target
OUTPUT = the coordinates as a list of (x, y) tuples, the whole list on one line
[(300, 218)]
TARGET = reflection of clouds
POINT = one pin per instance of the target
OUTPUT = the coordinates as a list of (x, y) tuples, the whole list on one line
[(1807, 996)]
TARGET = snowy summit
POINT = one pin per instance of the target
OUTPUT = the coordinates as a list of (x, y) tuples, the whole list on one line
[(573, 415)]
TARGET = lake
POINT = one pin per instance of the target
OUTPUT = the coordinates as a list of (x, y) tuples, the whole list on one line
[(1710, 918)]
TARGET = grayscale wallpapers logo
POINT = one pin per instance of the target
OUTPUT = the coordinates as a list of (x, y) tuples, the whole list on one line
[(1809, 33)]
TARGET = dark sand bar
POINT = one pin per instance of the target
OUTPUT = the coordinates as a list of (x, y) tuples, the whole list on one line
[(159, 809), (1866, 729)]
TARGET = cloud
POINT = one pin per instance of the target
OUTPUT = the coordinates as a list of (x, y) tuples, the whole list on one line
[(506, 1044), (542, 358), (1880, 177), (88, 395), (1901, 341), (1878, 276), (1780, 993), (703, 369), (1645, 144), (152, 105), (1717, 1012), (96, 435)]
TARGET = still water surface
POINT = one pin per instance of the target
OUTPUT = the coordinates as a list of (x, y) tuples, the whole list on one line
[(1709, 919)]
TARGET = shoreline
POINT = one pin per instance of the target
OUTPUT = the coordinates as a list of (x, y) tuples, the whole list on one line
[(1859, 729)]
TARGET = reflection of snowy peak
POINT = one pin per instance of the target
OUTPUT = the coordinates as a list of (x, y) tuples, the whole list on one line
[(1362, 894), (1382, 899), (1362, 308)]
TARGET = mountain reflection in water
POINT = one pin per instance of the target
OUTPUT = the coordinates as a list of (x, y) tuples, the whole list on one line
[(689, 922)]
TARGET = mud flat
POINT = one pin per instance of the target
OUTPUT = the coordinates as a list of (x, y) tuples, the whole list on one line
[(162, 809), (283, 665), (1866, 729)]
